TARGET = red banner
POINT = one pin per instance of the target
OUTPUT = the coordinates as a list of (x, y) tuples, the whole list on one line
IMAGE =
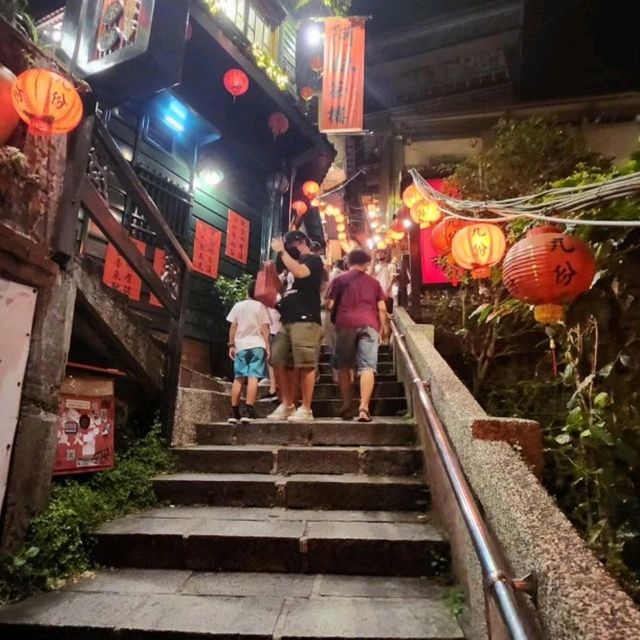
[(238, 230), (159, 265), (119, 275), (342, 104), (206, 249)]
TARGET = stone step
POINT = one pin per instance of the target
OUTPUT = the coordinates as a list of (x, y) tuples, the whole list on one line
[(385, 461), (384, 368), (329, 391), (383, 349), (298, 491), (382, 432), (378, 407), (250, 540), (131, 604), (327, 378), (386, 356)]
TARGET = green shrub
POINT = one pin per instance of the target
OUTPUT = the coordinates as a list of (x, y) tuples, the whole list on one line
[(59, 540)]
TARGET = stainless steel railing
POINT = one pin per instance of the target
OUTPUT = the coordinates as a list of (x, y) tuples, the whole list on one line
[(496, 580)]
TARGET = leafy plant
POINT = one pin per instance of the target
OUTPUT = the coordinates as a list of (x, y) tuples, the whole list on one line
[(337, 7), (59, 540), (15, 13), (455, 601), (232, 290)]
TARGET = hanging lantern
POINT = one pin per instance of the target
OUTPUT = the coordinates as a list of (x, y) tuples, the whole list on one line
[(236, 82), (548, 269), (403, 213), (306, 93), (381, 245), (396, 232), (478, 247), (9, 117), (411, 196), (278, 124), (310, 189), (341, 226), (300, 207), (316, 63), (47, 102), (339, 216), (425, 213), (443, 232)]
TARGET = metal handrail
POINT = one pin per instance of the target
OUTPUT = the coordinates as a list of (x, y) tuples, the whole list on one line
[(496, 580)]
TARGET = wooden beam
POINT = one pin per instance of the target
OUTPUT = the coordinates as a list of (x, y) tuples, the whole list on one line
[(136, 191), (118, 236)]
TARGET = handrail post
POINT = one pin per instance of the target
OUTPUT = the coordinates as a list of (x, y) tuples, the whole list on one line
[(497, 581)]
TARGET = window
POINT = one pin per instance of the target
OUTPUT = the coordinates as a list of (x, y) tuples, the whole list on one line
[(235, 11), (250, 21)]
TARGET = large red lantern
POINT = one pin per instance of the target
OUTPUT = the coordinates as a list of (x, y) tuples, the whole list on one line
[(411, 196), (300, 207), (548, 269), (236, 82), (396, 231), (310, 189), (306, 93), (443, 232), (425, 213), (278, 124), (47, 102), (316, 63), (479, 247)]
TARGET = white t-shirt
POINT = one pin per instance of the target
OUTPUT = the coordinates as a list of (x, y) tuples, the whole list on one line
[(275, 324), (250, 315), (384, 274)]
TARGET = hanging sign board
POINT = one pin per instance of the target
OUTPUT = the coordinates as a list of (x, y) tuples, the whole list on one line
[(238, 231), (118, 275), (342, 103), (206, 249)]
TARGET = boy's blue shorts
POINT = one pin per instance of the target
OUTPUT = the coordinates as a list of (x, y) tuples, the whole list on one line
[(251, 363)]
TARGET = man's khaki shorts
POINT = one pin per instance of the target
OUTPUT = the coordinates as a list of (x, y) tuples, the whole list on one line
[(297, 346)]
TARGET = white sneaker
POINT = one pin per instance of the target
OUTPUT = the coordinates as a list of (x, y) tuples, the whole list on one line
[(281, 413), (301, 415)]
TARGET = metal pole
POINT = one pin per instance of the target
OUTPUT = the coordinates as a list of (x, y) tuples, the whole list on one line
[(496, 580)]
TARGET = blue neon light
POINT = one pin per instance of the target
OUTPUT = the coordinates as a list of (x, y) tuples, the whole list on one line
[(173, 123)]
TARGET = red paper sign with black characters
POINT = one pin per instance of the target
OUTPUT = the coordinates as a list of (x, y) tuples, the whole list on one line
[(206, 249), (238, 232), (118, 275), (159, 266)]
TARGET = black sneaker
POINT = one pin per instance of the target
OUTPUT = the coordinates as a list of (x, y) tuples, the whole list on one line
[(234, 416), (248, 415)]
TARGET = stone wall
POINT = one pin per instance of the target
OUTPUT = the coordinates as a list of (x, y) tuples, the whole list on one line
[(576, 598)]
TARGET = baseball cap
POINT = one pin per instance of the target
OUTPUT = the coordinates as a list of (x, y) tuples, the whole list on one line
[(293, 237)]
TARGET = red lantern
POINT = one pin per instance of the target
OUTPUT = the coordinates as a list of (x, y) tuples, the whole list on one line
[(306, 93), (236, 82), (316, 63), (443, 232), (8, 115), (425, 213), (479, 247), (310, 189), (300, 207), (403, 213), (549, 269), (47, 102), (278, 123), (411, 196), (396, 232)]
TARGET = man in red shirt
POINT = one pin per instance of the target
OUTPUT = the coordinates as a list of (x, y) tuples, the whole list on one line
[(359, 312)]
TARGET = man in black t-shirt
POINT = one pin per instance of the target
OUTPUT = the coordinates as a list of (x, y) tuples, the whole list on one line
[(296, 347)]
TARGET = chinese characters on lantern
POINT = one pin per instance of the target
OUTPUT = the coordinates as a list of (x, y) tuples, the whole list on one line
[(341, 108), (118, 275), (238, 231), (206, 249)]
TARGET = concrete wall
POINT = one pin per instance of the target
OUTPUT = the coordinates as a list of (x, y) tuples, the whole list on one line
[(576, 598), (617, 140), (431, 153)]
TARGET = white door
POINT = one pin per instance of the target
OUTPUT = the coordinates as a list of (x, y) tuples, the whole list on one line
[(17, 306)]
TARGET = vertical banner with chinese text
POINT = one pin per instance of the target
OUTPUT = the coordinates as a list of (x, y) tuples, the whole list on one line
[(238, 231), (342, 104), (206, 249), (118, 275)]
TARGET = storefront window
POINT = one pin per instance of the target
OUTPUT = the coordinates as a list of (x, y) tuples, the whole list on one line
[(250, 22)]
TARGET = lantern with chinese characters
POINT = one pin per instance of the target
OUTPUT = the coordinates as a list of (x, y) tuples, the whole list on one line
[(47, 102), (316, 63), (548, 269), (278, 124), (396, 231), (310, 189), (411, 196), (306, 93), (236, 82), (425, 213), (479, 247), (443, 232), (300, 207)]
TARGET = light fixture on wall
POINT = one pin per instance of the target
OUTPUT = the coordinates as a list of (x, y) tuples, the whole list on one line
[(313, 35), (210, 177)]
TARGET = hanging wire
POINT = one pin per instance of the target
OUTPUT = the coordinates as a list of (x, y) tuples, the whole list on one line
[(341, 186), (561, 199)]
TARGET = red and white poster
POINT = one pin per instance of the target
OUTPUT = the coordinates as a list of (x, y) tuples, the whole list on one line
[(86, 425), (118, 275), (238, 232), (159, 265), (342, 103), (206, 249)]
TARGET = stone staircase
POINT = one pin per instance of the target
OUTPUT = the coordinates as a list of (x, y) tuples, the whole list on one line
[(273, 530)]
